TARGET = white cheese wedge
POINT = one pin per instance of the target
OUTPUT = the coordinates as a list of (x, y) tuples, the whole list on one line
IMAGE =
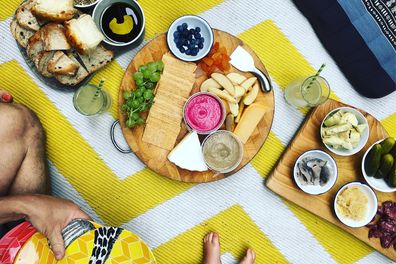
[(188, 154)]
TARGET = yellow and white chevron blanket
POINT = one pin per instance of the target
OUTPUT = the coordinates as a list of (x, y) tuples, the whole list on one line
[(173, 217)]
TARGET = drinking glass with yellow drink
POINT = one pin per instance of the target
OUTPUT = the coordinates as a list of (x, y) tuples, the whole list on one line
[(311, 91), (91, 99)]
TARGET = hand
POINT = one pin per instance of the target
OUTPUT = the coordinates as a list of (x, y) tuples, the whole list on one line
[(50, 215), (5, 97)]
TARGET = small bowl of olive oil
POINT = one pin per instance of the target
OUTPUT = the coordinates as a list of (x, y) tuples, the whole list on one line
[(122, 22)]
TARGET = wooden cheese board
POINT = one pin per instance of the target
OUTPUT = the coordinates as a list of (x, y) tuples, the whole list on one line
[(349, 169), (155, 157)]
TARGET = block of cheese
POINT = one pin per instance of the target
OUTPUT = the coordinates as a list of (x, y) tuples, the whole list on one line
[(249, 121), (188, 154)]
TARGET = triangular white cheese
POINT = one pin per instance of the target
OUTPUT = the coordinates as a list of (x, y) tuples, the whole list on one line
[(188, 154)]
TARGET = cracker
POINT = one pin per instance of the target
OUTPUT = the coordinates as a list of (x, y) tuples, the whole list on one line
[(158, 136)]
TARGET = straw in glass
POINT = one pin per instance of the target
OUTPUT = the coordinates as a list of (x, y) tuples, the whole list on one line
[(98, 89), (316, 75)]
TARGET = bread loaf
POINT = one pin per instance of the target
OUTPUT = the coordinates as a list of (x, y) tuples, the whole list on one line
[(72, 80), (54, 37), (21, 34)]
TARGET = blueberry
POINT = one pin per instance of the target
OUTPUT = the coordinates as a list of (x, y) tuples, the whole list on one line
[(184, 26), (198, 29), (188, 52), (192, 31), (196, 50), (191, 46), (179, 28), (200, 46), (176, 34), (182, 50), (194, 41), (190, 37), (185, 42), (197, 35), (202, 40)]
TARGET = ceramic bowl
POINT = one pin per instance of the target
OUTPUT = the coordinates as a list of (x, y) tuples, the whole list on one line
[(223, 114), (377, 184), (372, 205), (87, 6), (97, 16), (317, 189), (363, 138), (192, 22)]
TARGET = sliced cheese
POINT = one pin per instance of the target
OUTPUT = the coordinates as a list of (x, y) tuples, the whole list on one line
[(188, 154), (249, 121)]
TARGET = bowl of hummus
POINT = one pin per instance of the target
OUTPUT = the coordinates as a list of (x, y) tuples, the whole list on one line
[(222, 151), (204, 113)]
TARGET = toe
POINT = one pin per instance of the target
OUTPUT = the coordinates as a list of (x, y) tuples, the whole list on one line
[(216, 238), (210, 237)]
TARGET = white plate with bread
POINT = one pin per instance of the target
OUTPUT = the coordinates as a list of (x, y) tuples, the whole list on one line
[(61, 44)]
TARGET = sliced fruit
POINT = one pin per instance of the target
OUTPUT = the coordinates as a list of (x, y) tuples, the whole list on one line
[(241, 108), (239, 91), (209, 83), (252, 95), (230, 124), (234, 108), (236, 78), (222, 94), (224, 82), (248, 83)]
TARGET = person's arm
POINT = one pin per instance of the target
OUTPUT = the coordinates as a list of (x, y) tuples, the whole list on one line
[(49, 215)]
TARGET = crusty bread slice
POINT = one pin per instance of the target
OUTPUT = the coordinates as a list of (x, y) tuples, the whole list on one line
[(21, 34), (35, 45), (54, 37), (62, 64), (83, 34), (99, 58), (42, 65), (73, 80), (25, 17), (58, 11)]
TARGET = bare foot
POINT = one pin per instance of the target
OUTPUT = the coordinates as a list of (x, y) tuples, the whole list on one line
[(249, 257), (212, 249)]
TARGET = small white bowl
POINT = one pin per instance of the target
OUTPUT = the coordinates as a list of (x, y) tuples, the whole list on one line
[(86, 6), (363, 138), (372, 205), (311, 189), (192, 22), (377, 184)]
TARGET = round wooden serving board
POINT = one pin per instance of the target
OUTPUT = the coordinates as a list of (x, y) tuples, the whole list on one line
[(156, 158)]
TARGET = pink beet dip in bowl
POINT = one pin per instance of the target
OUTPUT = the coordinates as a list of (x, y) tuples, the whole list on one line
[(204, 113)]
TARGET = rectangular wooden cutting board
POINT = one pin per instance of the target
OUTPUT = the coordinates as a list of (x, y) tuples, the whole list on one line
[(349, 169)]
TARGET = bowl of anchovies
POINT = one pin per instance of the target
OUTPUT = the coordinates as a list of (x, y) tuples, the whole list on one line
[(315, 172)]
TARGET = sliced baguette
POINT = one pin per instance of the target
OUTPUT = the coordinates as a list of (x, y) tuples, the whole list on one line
[(73, 80), (62, 64), (58, 11), (42, 64), (25, 17), (99, 58), (54, 37), (35, 45), (21, 34), (83, 34)]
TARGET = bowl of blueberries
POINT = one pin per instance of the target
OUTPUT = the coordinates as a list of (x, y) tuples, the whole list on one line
[(190, 38)]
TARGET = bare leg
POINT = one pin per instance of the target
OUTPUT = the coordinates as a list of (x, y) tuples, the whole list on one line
[(22, 152), (212, 249), (249, 257)]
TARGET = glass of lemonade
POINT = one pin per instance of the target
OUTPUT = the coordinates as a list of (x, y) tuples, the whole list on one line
[(90, 100), (311, 91)]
